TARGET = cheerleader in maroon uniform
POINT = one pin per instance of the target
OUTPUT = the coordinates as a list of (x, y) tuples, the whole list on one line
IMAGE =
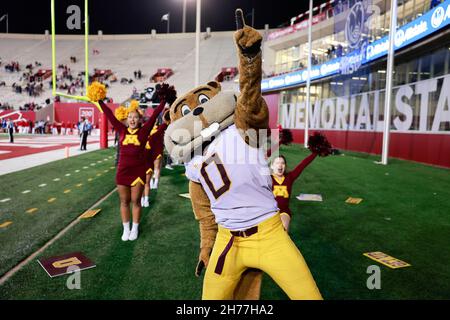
[(131, 168), (154, 151), (282, 182)]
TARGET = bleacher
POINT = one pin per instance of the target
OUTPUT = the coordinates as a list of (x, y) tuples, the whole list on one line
[(227, 74), (120, 54)]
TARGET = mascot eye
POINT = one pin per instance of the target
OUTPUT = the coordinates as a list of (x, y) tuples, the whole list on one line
[(185, 110), (203, 98)]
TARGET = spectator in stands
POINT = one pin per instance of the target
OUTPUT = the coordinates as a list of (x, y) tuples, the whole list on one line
[(338, 8), (339, 50), (434, 3)]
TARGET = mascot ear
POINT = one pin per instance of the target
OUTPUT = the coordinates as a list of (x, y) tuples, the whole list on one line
[(166, 116), (215, 85)]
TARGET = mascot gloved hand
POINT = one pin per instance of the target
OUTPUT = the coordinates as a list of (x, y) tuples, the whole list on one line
[(247, 39)]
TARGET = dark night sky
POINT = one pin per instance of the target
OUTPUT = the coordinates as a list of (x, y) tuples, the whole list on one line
[(140, 16)]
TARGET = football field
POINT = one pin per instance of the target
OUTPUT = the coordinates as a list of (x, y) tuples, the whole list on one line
[(404, 213)]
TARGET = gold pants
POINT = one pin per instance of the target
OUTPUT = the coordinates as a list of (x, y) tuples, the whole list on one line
[(270, 250)]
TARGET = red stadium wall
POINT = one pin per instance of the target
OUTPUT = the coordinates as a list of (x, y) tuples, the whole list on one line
[(72, 112), (16, 115), (427, 148)]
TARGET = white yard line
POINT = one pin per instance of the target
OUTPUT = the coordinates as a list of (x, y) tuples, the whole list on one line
[(36, 159)]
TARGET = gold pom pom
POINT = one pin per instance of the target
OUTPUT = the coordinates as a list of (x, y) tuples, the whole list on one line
[(134, 106), (121, 113), (96, 91)]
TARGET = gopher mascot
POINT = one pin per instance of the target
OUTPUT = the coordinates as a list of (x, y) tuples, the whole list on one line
[(216, 134)]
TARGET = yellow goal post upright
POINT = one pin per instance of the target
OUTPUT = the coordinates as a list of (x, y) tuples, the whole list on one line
[(86, 57)]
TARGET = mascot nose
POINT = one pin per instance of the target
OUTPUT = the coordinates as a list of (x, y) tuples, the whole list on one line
[(197, 111)]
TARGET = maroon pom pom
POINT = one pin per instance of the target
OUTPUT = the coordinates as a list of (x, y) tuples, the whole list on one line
[(319, 144), (286, 136), (167, 93)]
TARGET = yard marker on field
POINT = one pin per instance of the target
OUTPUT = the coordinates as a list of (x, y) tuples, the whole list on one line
[(5, 200), (79, 185), (32, 210), (42, 185), (85, 167), (90, 179), (351, 200), (56, 179), (26, 191), (386, 260), (77, 171), (67, 191), (106, 159), (105, 171), (57, 266), (99, 174), (51, 200), (67, 174), (112, 168), (90, 213), (92, 164), (5, 224), (309, 197)]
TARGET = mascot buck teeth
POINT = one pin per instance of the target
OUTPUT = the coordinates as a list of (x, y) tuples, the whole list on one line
[(216, 135)]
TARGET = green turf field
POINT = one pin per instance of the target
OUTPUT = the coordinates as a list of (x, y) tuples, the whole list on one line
[(405, 213), (34, 219)]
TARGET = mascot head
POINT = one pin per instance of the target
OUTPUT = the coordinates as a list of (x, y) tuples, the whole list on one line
[(196, 118)]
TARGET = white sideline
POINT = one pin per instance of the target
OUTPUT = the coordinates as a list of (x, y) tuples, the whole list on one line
[(32, 160)]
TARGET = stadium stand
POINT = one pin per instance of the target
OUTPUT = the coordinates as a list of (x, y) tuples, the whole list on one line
[(227, 74), (161, 75), (149, 53)]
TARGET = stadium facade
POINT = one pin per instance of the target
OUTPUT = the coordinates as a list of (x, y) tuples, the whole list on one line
[(348, 77)]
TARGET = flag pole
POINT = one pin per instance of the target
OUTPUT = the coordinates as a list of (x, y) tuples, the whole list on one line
[(197, 43), (308, 82), (388, 92), (184, 16)]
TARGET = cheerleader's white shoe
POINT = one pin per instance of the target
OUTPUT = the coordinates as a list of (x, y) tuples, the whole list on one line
[(126, 235), (133, 234)]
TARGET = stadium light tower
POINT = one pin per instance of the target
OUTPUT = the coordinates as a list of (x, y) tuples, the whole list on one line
[(388, 94)]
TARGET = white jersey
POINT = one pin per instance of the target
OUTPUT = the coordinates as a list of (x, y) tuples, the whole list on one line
[(237, 180)]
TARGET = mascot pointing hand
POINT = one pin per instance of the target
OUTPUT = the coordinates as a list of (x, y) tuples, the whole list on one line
[(216, 135)]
